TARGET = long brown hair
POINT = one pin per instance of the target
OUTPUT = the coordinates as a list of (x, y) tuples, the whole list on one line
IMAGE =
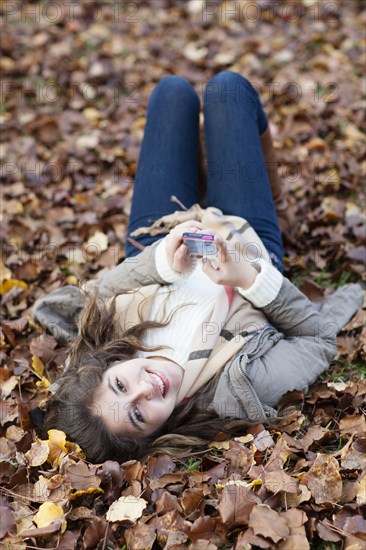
[(102, 342)]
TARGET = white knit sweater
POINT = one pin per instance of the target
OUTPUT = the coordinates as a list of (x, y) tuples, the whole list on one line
[(196, 290), (199, 295)]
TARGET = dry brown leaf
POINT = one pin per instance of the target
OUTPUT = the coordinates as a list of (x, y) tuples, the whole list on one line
[(82, 476), (160, 465), (38, 453), (327, 531), (70, 165), (278, 480), (314, 434), (324, 479), (7, 523), (355, 423), (236, 504), (8, 386), (352, 459), (361, 493), (14, 433), (290, 500), (191, 499), (98, 530), (140, 536), (126, 509), (269, 524), (203, 528), (297, 538)]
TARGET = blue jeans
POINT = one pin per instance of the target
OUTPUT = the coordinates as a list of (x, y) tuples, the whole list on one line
[(237, 179)]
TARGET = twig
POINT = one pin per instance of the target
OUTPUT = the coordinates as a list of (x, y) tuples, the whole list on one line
[(173, 198), (105, 537), (135, 243)]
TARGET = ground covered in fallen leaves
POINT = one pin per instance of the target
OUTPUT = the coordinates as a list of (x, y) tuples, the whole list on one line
[(76, 78)]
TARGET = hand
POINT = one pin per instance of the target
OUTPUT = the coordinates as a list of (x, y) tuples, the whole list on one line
[(177, 252), (234, 264)]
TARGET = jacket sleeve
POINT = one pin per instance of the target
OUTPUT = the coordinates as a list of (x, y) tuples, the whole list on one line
[(59, 310), (309, 340), (149, 267)]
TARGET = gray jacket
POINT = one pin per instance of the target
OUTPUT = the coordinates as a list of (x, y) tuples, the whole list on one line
[(290, 352)]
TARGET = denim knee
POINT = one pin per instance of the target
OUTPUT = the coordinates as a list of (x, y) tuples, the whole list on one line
[(174, 88), (229, 85)]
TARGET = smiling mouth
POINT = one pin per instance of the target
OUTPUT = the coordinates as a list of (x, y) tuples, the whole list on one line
[(160, 382)]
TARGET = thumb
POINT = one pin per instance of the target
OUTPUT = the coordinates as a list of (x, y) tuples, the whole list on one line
[(208, 268)]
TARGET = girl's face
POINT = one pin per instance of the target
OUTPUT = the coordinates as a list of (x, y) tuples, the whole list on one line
[(137, 396)]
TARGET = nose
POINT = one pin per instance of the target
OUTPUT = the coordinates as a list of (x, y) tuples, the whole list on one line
[(142, 390)]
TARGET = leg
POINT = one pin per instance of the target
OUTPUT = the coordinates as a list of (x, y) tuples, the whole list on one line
[(286, 219), (168, 163), (237, 179)]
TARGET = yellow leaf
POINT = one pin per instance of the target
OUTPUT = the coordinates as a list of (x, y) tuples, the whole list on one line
[(240, 483), (48, 513), (10, 283), (57, 446), (91, 114), (44, 383), (128, 508), (37, 365), (75, 449), (90, 491), (38, 453), (5, 272)]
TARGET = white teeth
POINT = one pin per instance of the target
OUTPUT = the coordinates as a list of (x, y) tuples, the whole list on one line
[(160, 382)]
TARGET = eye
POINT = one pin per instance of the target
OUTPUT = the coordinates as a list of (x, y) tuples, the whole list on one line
[(137, 415), (119, 385)]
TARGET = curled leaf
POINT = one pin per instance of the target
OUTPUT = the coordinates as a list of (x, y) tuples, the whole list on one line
[(38, 453), (48, 513), (126, 509), (57, 446)]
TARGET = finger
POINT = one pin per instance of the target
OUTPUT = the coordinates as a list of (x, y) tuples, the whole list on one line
[(193, 223), (189, 228), (183, 249), (221, 249), (208, 269), (180, 258)]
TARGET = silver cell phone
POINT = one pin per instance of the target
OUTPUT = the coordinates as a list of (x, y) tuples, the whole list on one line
[(200, 244)]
